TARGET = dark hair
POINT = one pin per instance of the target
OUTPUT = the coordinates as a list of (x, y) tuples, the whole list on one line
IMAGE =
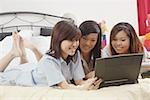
[(63, 30), (135, 44), (88, 27)]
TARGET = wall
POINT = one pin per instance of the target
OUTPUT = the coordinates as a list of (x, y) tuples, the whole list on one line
[(144, 16), (113, 11)]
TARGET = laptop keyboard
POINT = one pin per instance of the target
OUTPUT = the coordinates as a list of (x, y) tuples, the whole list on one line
[(117, 82)]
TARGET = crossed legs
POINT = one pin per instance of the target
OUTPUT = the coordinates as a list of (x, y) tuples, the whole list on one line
[(18, 50)]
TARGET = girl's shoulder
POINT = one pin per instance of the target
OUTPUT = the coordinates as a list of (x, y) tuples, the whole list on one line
[(50, 59), (46, 56), (146, 54)]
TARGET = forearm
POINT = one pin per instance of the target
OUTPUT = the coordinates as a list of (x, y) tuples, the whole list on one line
[(4, 61), (79, 87), (79, 82), (89, 84), (65, 85)]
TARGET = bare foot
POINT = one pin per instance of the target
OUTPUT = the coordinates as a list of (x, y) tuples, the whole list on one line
[(17, 49)]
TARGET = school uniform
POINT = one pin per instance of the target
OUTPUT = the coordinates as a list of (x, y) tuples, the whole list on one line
[(48, 72), (87, 66)]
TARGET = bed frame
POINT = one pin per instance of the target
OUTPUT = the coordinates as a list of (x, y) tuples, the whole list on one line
[(16, 21), (24, 20)]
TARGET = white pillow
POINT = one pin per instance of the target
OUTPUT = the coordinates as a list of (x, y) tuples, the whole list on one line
[(42, 42), (6, 44), (26, 34)]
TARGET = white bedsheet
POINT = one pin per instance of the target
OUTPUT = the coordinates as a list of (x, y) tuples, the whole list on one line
[(138, 91)]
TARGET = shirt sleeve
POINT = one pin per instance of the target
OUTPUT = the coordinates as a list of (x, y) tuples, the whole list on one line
[(49, 68), (145, 56), (78, 72)]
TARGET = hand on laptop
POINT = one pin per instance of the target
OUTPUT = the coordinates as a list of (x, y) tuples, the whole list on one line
[(95, 85), (91, 83)]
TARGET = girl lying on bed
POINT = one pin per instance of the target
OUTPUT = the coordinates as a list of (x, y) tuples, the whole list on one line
[(60, 65)]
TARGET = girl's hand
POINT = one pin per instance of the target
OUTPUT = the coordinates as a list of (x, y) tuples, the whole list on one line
[(90, 75), (95, 85), (92, 84)]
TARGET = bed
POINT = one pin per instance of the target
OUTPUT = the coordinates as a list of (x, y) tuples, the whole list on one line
[(139, 91), (36, 27)]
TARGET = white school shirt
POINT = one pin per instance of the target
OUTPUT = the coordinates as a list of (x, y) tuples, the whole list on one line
[(48, 72)]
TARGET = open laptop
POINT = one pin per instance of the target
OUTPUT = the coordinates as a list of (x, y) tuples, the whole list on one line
[(119, 69)]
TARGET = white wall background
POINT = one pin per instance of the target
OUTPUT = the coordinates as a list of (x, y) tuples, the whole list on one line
[(113, 11)]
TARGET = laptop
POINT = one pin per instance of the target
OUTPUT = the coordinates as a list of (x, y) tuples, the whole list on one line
[(119, 69)]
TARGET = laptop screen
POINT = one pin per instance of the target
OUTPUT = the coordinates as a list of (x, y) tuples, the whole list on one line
[(118, 67)]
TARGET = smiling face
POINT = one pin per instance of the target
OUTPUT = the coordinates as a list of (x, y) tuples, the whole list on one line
[(68, 48), (121, 43), (88, 42)]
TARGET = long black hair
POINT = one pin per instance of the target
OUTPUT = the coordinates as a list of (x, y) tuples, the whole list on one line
[(88, 27)]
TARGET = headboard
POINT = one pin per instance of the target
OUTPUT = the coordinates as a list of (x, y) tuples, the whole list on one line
[(39, 22)]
